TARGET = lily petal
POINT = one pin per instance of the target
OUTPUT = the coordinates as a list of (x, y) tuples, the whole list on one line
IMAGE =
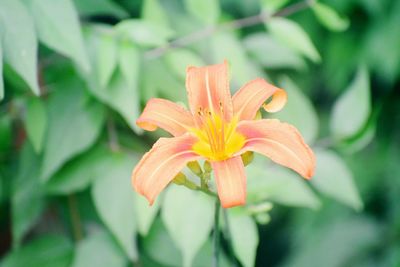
[(208, 89), (160, 165), (231, 181), (166, 115), (248, 100), (281, 142)]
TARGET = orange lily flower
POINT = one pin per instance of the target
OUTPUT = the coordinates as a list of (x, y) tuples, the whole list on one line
[(218, 128)]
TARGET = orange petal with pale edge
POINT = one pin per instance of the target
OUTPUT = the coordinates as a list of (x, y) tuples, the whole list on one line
[(160, 165), (166, 115), (281, 142), (248, 100), (231, 181), (208, 89)]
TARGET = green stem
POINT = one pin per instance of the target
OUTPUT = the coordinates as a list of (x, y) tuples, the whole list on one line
[(216, 242), (228, 237), (75, 218)]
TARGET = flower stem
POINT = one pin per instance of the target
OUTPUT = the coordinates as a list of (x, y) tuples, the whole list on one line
[(216, 241), (75, 218), (228, 237)]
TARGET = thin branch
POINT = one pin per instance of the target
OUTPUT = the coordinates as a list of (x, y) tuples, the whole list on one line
[(231, 25)]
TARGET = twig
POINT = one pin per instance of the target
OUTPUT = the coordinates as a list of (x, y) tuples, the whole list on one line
[(216, 242), (235, 24), (75, 218)]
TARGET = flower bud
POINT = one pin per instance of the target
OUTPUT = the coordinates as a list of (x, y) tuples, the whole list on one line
[(258, 115), (195, 167), (207, 166), (247, 157), (179, 179)]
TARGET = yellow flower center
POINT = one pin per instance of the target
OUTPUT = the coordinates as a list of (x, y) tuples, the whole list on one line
[(218, 139)]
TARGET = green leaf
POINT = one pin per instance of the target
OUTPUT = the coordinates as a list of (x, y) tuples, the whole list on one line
[(46, 251), (188, 216), (106, 58), (179, 59), (145, 214), (207, 11), (293, 36), (160, 247), (119, 95), (35, 122), (153, 12), (129, 63), (27, 200), (99, 250), (329, 18), (226, 45), (271, 54), (332, 177), (19, 41), (144, 33), (113, 197), (100, 7), (273, 5), (298, 111), (74, 123), (58, 27), (1, 71), (279, 185), (352, 110), (244, 237), (78, 174), (6, 134)]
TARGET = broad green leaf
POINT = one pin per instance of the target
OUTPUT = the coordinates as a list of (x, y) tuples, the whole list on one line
[(329, 18), (107, 58), (159, 247), (6, 133), (113, 198), (320, 247), (244, 237), (188, 216), (27, 201), (352, 110), (35, 122), (144, 33), (119, 95), (271, 54), (293, 36), (58, 27), (100, 7), (179, 59), (225, 45), (207, 11), (273, 5), (153, 11), (1, 71), (46, 251), (279, 185), (74, 123), (78, 174), (298, 111), (332, 177), (100, 250), (145, 214), (19, 41), (129, 63)]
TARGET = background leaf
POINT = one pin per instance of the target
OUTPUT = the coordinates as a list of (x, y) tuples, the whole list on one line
[(244, 237), (74, 123), (99, 249), (332, 177), (329, 18), (114, 201), (107, 58), (1, 71), (35, 122), (145, 214), (182, 210), (58, 27), (346, 120), (293, 36), (207, 11), (19, 41), (46, 251)]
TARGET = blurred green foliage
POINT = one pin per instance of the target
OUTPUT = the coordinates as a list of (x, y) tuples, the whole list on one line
[(77, 73)]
